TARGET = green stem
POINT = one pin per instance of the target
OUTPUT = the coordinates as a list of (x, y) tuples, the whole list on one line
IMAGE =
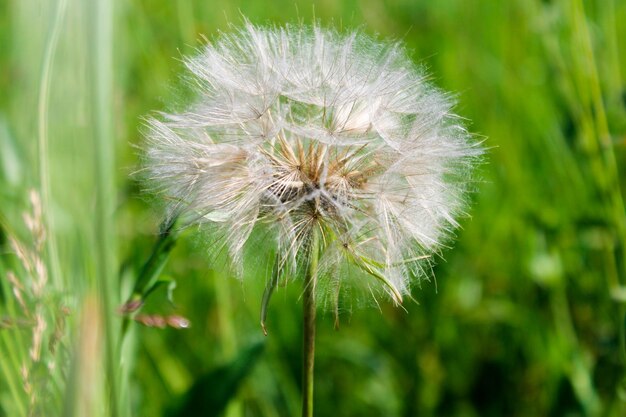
[(151, 270), (101, 71), (308, 323), (43, 140)]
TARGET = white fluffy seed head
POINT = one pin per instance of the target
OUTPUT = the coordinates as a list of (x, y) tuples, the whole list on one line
[(298, 129)]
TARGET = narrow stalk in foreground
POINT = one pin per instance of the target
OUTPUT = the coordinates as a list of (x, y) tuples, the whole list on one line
[(105, 246), (308, 323)]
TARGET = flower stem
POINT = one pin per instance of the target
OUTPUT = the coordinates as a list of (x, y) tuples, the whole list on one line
[(308, 323)]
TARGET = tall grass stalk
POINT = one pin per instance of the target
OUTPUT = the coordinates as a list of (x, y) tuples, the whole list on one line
[(608, 176), (43, 140), (101, 60)]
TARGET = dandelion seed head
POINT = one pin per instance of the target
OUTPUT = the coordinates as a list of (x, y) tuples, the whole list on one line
[(302, 129)]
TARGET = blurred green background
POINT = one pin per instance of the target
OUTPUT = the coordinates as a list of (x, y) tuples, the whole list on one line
[(525, 317)]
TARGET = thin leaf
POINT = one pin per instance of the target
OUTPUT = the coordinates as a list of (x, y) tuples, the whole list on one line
[(211, 392), (269, 290)]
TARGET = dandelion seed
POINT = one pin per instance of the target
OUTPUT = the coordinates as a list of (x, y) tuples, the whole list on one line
[(303, 130)]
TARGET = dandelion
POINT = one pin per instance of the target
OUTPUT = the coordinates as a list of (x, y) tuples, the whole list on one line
[(335, 145)]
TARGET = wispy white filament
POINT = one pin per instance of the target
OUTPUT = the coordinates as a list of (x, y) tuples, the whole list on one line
[(302, 128)]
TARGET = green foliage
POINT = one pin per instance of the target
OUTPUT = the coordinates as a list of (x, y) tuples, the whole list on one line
[(210, 393), (525, 317)]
